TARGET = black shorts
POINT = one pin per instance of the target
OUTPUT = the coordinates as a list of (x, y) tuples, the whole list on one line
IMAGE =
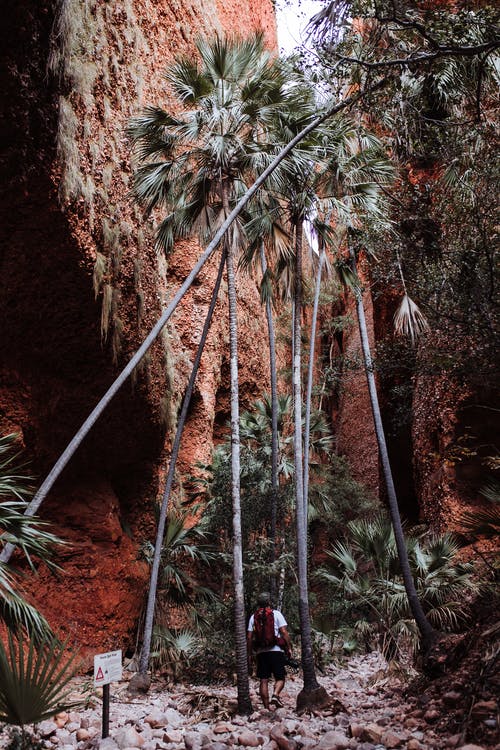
[(271, 662)]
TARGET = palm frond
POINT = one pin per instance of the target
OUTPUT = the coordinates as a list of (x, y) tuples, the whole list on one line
[(409, 320), (346, 275), (14, 482), (33, 682)]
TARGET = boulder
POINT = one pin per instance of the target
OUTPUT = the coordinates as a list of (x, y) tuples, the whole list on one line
[(372, 733), (283, 742), (192, 740), (139, 683), (47, 728), (246, 738), (391, 740), (156, 719), (173, 718), (107, 743), (172, 735), (333, 740), (432, 715), (222, 727), (128, 737)]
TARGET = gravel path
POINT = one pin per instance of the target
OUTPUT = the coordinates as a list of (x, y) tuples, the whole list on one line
[(369, 712)]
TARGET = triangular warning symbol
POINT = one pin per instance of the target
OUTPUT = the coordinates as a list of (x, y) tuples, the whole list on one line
[(99, 675)]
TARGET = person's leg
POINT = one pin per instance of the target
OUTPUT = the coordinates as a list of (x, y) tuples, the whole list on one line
[(279, 673), (278, 686), (264, 692), (264, 671)]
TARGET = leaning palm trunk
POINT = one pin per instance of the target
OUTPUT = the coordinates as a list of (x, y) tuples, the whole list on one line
[(426, 630), (153, 583), (274, 426), (311, 691), (82, 433), (310, 372)]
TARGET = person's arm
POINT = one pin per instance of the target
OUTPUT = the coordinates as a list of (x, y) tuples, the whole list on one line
[(250, 643), (288, 644)]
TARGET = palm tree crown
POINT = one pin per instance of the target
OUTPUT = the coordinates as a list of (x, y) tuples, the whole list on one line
[(227, 103)]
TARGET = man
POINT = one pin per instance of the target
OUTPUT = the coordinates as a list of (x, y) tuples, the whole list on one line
[(270, 658)]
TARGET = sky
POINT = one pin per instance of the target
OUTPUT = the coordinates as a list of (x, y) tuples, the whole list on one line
[(292, 17)]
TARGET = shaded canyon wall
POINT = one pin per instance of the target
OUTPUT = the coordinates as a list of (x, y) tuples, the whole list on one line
[(82, 285)]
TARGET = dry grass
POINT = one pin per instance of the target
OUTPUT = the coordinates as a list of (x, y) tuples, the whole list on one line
[(108, 109), (72, 181), (116, 340), (100, 270), (141, 240), (126, 229), (72, 45), (95, 56), (107, 303), (116, 260), (137, 273), (110, 235), (140, 307), (95, 153), (107, 175)]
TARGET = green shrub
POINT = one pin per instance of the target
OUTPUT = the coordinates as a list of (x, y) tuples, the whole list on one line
[(369, 598)]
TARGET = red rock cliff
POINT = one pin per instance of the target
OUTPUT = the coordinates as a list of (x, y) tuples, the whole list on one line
[(82, 285)]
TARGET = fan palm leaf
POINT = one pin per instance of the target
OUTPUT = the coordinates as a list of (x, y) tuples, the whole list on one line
[(409, 320), (33, 680)]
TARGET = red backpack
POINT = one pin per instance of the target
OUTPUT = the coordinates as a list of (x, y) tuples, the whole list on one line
[(263, 628)]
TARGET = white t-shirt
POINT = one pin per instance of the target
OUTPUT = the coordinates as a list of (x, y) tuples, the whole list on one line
[(279, 622)]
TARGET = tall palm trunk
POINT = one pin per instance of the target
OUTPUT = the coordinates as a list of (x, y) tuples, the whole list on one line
[(310, 682), (310, 373), (153, 581), (426, 630), (82, 433), (244, 702), (274, 425)]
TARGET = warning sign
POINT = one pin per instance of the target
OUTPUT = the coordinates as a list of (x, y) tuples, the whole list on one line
[(107, 668)]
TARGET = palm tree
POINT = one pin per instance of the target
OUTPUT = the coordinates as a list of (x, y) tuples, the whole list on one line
[(427, 632), (184, 543), (354, 180), (297, 181), (203, 157), (295, 188)]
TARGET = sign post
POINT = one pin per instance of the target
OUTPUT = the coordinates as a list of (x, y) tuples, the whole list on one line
[(107, 669)]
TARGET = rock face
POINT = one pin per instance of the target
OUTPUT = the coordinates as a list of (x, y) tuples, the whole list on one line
[(82, 285), (355, 430)]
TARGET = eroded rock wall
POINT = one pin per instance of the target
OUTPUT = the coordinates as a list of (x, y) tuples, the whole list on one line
[(356, 439), (82, 285)]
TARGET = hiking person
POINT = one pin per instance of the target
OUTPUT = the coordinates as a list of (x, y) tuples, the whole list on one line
[(267, 636)]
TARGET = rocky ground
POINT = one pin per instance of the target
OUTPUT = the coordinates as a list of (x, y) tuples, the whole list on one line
[(372, 709)]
